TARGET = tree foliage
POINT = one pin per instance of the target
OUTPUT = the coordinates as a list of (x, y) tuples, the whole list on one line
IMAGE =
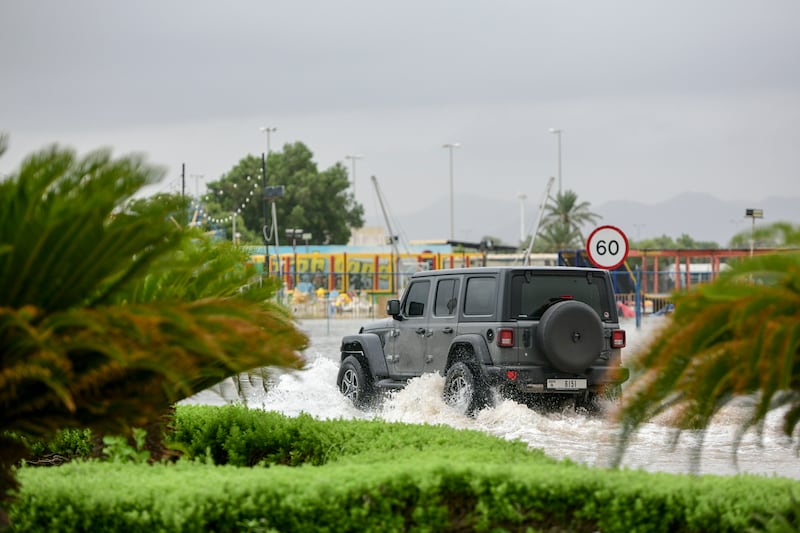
[(736, 337), (318, 202), (111, 311), (776, 235), (664, 242)]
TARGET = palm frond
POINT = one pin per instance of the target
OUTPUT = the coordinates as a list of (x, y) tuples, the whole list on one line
[(738, 336), (94, 365), (68, 234)]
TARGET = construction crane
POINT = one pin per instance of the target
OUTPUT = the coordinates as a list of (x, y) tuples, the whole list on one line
[(392, 237), (527, 255)]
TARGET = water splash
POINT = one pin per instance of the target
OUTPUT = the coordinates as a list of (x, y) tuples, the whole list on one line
[(580, 437)]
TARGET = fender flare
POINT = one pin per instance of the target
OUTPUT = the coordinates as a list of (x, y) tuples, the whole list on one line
[(368, 344), (479, 348)]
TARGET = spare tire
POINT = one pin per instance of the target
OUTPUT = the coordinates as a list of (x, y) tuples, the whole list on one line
[(570, 335)]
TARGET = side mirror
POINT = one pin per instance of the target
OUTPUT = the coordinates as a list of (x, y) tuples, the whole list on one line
[(393, 308)]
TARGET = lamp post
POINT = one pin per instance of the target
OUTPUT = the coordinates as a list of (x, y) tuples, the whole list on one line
[(264, 230), (353, 159), (753, 214), (522, 197), (268, 131), (451, 147), (556, 131), (294, 234)]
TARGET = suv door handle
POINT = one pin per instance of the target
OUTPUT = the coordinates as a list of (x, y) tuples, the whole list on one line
[(448, 329)]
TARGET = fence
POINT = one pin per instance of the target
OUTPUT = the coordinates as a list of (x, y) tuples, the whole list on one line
[(374, 273), (358, 284)]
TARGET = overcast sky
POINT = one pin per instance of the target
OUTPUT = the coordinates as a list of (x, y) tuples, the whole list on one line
[(653, 98)]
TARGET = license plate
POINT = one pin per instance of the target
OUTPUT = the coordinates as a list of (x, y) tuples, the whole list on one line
[(566, 384)]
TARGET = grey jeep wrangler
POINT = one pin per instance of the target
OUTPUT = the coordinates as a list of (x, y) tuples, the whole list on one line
[(541, 335)]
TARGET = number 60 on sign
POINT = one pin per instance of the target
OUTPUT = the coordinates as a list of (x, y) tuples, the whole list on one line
[(607, 247)]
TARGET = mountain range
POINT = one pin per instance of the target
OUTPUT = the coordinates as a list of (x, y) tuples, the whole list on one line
[(702, 216)]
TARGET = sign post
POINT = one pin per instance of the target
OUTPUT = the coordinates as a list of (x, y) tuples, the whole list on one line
[(607, 247)]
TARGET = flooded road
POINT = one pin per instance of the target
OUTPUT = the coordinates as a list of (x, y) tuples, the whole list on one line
[(567, 434)]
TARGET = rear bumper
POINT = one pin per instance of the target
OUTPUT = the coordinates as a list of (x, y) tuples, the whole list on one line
[(533, 379)]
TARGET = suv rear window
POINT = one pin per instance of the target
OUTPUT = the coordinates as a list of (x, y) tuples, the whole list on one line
[(532, 294)]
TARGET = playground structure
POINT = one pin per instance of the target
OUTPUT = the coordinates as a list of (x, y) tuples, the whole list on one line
[(355, 284), (652, 276)]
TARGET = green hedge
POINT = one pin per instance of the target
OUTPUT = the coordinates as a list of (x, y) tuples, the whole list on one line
[(377, 476)]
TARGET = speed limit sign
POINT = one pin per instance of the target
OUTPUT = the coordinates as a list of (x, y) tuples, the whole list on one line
[(607, 247)]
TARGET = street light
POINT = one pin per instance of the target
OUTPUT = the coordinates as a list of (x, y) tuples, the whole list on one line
[(753, 214), (522, 197), (451, 146), (557, 131), (294, 234), (268, 131), (353, 159)]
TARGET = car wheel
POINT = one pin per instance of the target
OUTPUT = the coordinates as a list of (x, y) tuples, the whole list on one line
[(570, 334), (464, 391), (354, 383)]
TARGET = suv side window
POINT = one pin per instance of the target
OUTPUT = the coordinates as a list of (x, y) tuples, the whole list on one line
[(446, 297), (480, 296), (417, 298)]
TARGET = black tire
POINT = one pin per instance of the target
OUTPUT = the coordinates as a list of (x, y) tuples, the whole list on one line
[(465, 391), (570, 334), (354, 382)]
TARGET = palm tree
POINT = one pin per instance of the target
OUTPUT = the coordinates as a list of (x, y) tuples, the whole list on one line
[(736, 337), (557, 236), (111, 311), (563, 221)]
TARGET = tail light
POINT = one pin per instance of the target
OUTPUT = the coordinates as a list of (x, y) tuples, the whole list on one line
[(618, 338), (505, 338)]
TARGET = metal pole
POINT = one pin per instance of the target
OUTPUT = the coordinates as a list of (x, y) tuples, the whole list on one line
[(268, 130), (353, 159), (452, 218), (266, 223), (557, 132), (451, 146), (559, 161)]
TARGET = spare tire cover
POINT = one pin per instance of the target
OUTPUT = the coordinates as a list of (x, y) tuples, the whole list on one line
[(570, 334)]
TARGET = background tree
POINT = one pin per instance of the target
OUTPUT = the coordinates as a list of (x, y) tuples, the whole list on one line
[(735, 337), (111, 311), (664, 242), (320, 203), (776, 235), (563, 222)]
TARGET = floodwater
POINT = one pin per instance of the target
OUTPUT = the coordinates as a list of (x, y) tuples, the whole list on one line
[(580, 437)]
